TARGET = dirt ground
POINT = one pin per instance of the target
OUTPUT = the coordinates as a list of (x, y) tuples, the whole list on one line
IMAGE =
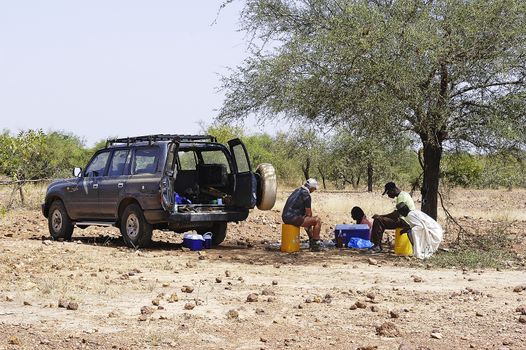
[(94, 293)]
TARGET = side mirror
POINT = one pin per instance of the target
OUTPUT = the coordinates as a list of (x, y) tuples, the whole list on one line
[(77, 172)]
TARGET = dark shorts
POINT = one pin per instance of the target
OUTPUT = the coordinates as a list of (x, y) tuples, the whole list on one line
[(294, 220)]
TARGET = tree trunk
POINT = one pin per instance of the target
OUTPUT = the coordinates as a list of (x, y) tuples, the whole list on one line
[(305, 168), (369, 177), (322, 174), (432, 157), (22, 198)]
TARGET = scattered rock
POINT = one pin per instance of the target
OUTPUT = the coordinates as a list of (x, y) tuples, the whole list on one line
[(228, 273), (113, 314), (189, 306), (173, 298), (371, 296), (267, 292), (368, 347), (522, 319), (394, 314), (418, 279), (353, 307), (73, 306), (166, 284), (9, 298), (187, 289), (520, 288), (260, 311), (147, 310), (232, 314), (63, 303), (202, 257), (521, 309), (143, 317), (271, 299), (479, 314), (404, 347), (387, 329), (252, 297), (360, 305), (14, 340), (156, 301), (27, 303), (372, 261), (375, 308), (263, 340), (274, 283), (436, 335), (218, 280), (190, 264)]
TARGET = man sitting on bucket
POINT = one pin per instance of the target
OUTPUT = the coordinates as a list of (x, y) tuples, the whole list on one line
[(298, 212)]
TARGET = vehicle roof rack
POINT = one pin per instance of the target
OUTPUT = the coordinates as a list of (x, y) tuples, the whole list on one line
[(162, 137)]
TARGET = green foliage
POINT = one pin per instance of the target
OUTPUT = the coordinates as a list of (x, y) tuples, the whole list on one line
[(462, 169), (503, 170), (33, 155)]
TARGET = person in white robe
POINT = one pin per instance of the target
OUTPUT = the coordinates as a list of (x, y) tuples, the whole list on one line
[(425, 234)]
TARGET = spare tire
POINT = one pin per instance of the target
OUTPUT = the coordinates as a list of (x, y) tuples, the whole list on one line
[(267, 186)]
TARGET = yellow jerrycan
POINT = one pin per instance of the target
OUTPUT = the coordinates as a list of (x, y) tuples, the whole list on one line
[(290, 238), (402, 246)]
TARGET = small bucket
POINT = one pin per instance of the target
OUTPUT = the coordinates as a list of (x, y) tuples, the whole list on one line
[(402, 246), (208, 240), (193, 241), (290, 238)]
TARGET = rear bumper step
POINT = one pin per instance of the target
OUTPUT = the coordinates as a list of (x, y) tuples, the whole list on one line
[(161, 216)]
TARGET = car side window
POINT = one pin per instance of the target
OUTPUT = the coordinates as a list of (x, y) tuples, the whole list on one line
[(98, 164), (118, 162), (187, 160), (216, 157), (146, 160)]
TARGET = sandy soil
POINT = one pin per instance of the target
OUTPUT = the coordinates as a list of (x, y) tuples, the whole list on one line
[(164, 297)]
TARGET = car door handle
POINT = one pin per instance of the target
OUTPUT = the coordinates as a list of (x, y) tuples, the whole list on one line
[(120, 185), (95, 186)]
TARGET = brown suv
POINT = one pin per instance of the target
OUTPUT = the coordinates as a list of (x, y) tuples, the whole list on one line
[(167, 182)]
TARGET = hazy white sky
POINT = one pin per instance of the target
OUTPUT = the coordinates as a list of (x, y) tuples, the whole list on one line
[(114, 67)]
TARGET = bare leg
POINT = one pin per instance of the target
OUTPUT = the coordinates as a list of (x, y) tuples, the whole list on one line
[(313, 225)]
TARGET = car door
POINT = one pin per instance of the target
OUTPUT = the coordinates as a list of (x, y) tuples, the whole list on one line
[(246, 185), (83, 197), (112, 186)]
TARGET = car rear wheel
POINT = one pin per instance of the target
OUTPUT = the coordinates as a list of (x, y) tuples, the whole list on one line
[(135, 230), (267, 186), (218, 233), (59, 223)]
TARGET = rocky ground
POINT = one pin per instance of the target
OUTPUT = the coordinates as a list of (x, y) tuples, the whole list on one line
[(94, 293)]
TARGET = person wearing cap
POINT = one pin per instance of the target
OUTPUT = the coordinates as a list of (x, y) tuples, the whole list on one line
[(425, 233), (392, 220), (298, 212)]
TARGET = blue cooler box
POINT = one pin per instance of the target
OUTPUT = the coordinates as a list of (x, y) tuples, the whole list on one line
[(344, 232), (193, 241)]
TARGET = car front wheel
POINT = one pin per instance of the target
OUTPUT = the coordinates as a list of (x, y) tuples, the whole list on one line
[(59, 223), (135, 230)]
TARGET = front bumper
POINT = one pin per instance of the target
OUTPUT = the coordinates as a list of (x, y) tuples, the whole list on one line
[(162, 216)]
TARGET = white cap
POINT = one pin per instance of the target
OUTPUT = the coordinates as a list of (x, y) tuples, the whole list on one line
[(312, 183)]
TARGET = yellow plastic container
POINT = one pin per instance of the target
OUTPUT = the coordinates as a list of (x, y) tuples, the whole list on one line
[(290, 238), (402, 244)]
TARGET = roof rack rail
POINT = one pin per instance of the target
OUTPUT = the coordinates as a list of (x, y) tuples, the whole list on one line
[(162, 137)]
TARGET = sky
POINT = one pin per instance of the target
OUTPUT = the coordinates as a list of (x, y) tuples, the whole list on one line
[(115, 68)]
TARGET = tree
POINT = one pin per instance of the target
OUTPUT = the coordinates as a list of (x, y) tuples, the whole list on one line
[(448, 72)]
